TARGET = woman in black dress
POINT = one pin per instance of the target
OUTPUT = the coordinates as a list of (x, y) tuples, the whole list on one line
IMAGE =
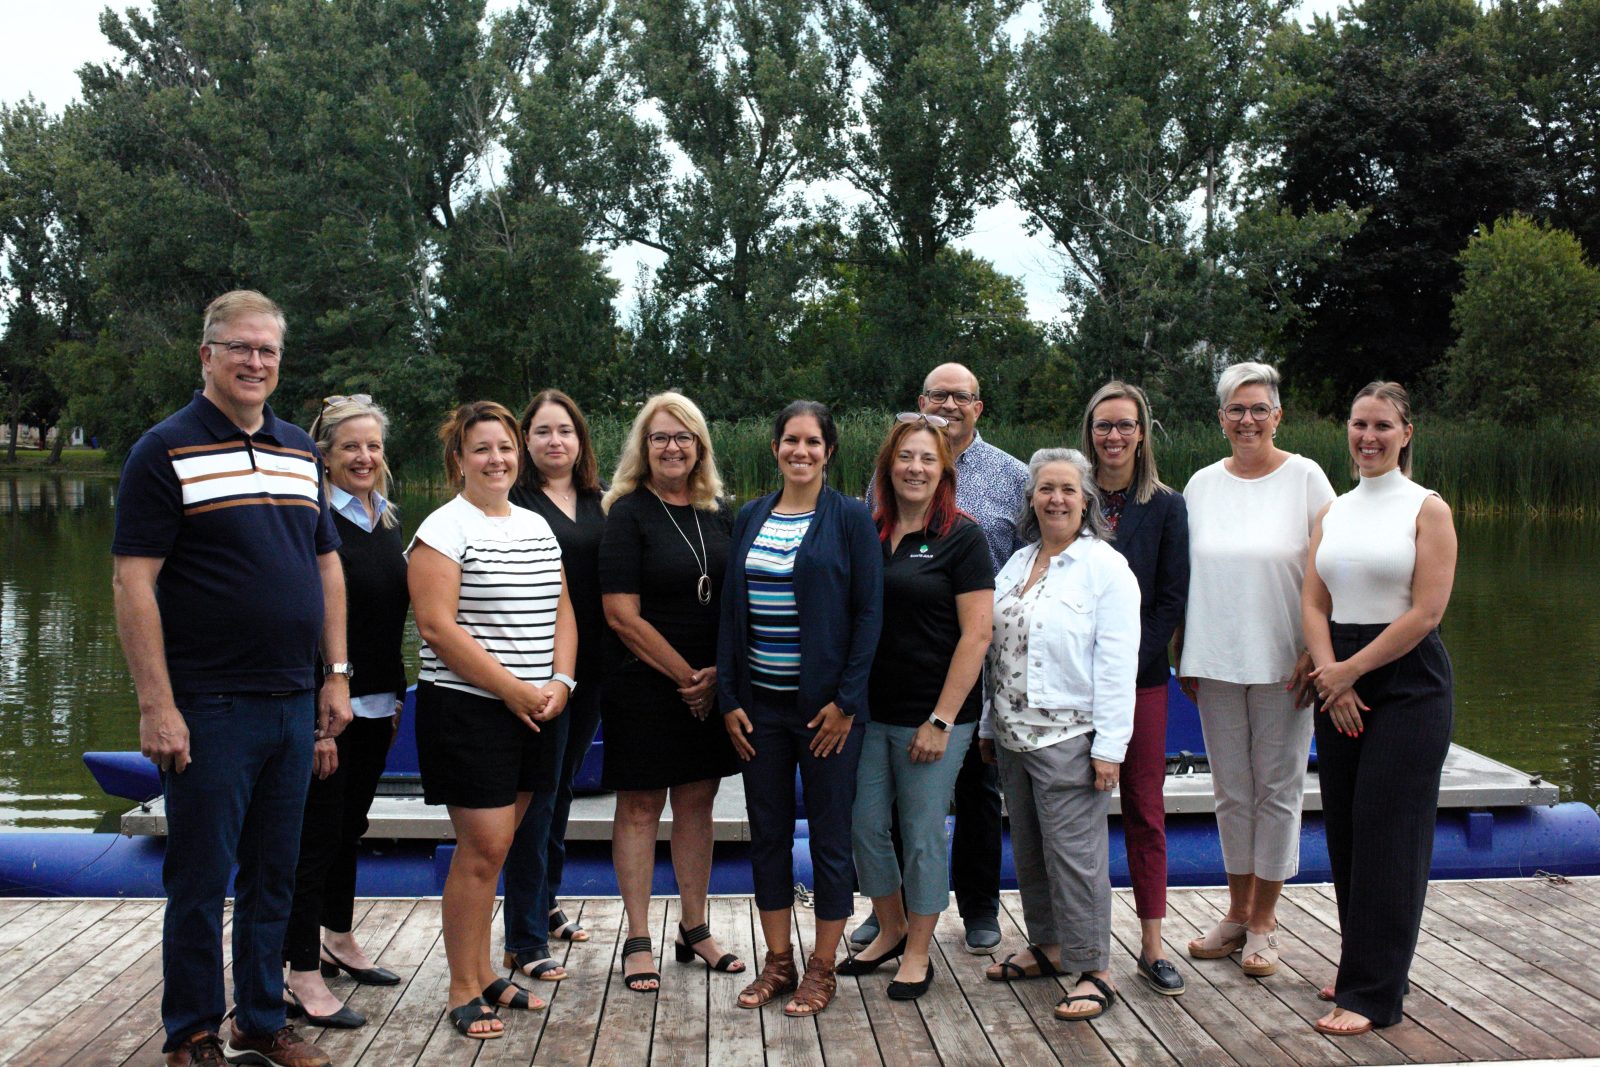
[(349, 432), (559, 482), (661, 565)]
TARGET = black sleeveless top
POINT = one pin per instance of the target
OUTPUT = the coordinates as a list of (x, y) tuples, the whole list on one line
[(376, 599)]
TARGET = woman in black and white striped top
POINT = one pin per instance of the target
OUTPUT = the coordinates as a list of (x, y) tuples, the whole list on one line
[(500, 646)]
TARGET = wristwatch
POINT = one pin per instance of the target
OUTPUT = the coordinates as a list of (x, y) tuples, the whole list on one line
[(940, 723), (566, 680), (346, 669)]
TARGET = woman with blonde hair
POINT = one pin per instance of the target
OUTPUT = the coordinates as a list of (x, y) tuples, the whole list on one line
[(349, 431), (662, 558)]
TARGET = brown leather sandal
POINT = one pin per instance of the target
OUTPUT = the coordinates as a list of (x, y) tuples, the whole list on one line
[(778, 976), (816, 988)]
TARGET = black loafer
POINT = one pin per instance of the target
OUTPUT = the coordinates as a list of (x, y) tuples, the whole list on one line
[(346, 1018), (899, 990), (1162, 976), (332, 965)]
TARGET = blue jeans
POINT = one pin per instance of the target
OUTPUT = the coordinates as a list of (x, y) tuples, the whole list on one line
[(782, 743), (241, 799), (888, 779), (538, 851)]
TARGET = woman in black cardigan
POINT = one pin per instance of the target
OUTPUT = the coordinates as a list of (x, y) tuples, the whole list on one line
[(349, 432), (1150, 527)]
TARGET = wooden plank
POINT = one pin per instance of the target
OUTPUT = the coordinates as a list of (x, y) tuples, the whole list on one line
[(733, 1034), (628, 1019), (1564, 970), (519, 1044), (1430, 1033), (1258, 999), (62, 965), (14, 908), (445, 1047), (574, 1014), (58, 923), (951, 1020), (1072, 1043), (416, 953), (1441, 969), (97, 995), (843, 1029), (393, 937), (1561, 906), (683, 1003), (1179, 1026), (1010, 1031)]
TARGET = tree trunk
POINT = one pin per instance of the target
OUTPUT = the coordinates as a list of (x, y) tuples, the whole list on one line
[(16, 419)]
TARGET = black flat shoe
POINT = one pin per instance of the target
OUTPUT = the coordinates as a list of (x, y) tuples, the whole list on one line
[(363, 975), (344, 1019), (899, 990), (1162, 976), (855, 965)]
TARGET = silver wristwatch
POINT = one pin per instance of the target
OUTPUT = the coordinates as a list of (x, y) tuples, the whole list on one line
[(940, 723), (566, 680), (346, 669)]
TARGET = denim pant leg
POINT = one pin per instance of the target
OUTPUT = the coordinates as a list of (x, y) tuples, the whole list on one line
[(269, 848), (527, 920), (923, 792), (583, 715), (205, 812), (769, 803), (877, 869), (829, 784)]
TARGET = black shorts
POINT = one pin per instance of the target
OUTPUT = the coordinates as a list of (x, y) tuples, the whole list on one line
[(473, 753)]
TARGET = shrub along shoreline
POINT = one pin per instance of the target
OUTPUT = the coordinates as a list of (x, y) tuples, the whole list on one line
[(1551, 469)]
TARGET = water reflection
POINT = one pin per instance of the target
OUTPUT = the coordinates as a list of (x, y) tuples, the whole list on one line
[(1522, 631)]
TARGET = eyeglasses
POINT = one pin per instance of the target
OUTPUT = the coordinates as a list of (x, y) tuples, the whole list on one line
[(353, 398), (938, 422), (1103, 427), (239, 352), (683, 439), (1259, 412), (960, 396)]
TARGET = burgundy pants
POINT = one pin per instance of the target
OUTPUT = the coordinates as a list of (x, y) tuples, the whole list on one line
[(1144, 822)]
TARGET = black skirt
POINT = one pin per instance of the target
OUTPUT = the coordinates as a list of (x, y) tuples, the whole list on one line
[(652, 740)]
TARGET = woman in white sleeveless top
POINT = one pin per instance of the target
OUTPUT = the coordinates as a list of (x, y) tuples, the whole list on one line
[(1383, 560)]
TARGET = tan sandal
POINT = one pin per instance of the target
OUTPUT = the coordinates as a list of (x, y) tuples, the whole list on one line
[(1223, 939), (1263, 946), (778, 976), (816, 989)]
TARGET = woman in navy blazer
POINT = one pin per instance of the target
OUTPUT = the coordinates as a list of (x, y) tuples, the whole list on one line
[(804, 588), (1151, 529)]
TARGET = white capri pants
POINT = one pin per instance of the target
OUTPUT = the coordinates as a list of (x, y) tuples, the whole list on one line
[(1258, 743)]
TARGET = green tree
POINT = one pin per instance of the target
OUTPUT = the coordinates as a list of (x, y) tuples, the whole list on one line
[(1528, 318)]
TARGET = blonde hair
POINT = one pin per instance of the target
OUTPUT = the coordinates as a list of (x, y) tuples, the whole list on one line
[(633, 465), (325, 427), (235, 304), (1146, 482)]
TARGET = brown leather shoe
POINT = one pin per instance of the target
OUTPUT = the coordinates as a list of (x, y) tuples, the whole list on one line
[(816, 988), (198, 1050), (282, 1049), (777, 976)]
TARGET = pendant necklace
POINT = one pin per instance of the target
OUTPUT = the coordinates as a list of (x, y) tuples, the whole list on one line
[(702, 588)]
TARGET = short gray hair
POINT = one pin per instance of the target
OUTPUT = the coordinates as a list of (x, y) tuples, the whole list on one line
[(1094, 512), (1240, 375)]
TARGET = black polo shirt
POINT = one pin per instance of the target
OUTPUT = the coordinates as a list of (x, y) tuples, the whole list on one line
[(921, 627), (238, 520)]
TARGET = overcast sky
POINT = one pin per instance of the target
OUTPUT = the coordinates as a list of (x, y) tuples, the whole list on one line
[(45, 42)]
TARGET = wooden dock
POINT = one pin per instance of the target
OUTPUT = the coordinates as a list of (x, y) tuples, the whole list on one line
[(1505, 970)]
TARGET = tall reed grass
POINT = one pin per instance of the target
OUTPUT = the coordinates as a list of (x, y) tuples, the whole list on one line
[(1550, 469)]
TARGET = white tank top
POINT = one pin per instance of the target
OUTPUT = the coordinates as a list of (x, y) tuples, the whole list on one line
[(1369, 549)]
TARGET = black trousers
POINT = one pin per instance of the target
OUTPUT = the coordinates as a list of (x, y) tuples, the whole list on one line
[(975, 844), (335, 818), (1380, 796)]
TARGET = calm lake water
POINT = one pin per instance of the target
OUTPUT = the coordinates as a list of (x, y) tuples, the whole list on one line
[(1523, 630)]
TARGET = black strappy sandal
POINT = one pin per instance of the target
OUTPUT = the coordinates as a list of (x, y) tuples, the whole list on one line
[(522, 1001), (684, 950), (1105, 998), (636, 982), (1015, 972), (565, 929), (534, 968), (471, 1012)]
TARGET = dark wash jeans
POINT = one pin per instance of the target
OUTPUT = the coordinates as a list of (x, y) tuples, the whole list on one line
[(240, 800)]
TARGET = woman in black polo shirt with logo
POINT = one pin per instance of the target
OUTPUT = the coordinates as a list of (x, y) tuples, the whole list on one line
[(938, 604)]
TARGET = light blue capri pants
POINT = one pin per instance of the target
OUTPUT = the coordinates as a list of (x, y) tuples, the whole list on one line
[(885, 779)]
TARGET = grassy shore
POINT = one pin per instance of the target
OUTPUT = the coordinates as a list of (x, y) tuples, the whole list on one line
[(75, 460), (1478, 469)]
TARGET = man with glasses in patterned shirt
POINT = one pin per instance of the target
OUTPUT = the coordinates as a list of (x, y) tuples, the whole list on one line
[(990, 486)]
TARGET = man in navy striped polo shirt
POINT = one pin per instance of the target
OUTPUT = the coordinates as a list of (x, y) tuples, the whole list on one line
[(226, 579)]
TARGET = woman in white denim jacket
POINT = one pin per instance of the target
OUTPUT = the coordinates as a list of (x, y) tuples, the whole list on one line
[(1062, 669)]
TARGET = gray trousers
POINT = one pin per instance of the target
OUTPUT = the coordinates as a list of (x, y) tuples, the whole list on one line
[(1060, 847)]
